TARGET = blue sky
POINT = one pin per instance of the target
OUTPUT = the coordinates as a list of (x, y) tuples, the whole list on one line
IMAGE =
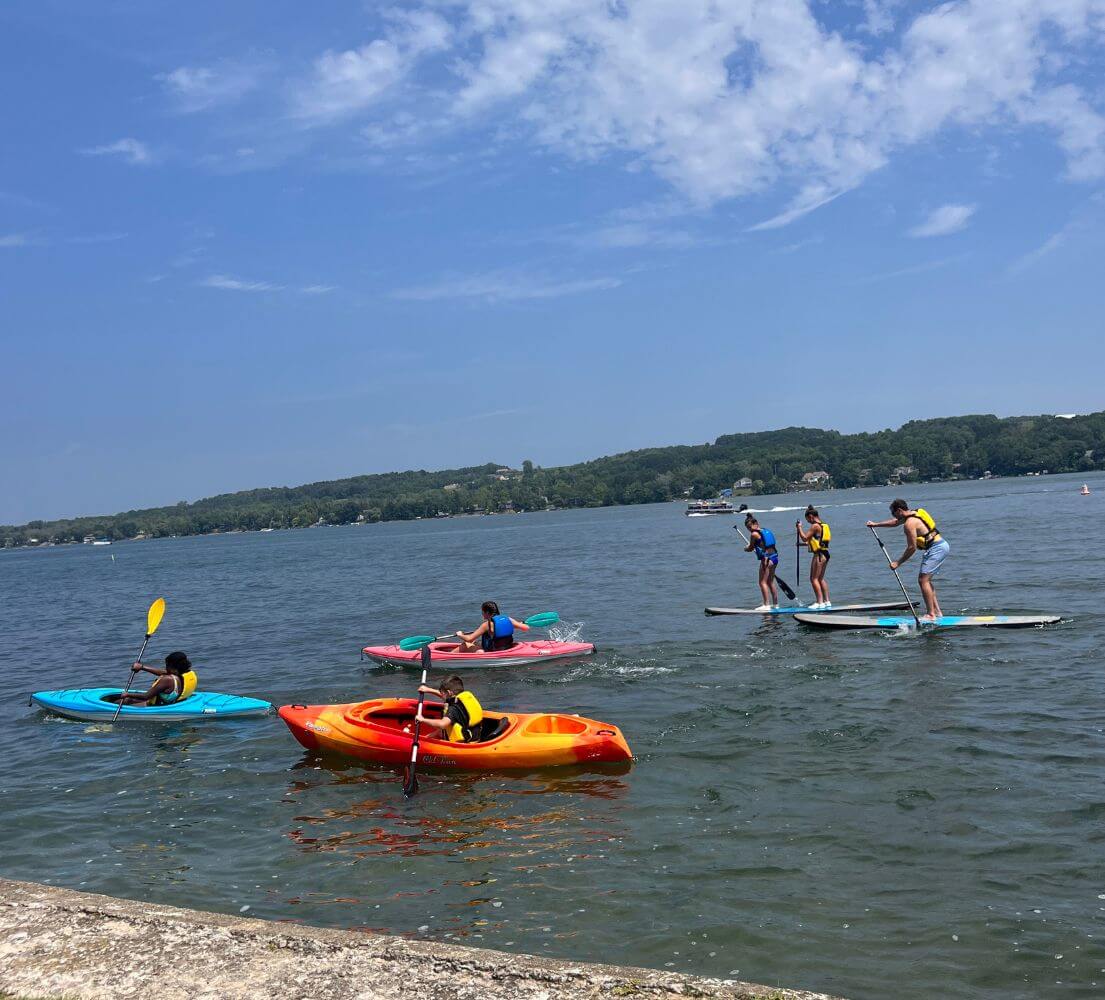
[(268, 243)]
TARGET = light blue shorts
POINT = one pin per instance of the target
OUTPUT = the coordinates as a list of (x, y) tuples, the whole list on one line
[(934, 558)]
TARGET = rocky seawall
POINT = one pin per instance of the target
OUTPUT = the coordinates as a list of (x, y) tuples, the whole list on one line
[(60, 943)]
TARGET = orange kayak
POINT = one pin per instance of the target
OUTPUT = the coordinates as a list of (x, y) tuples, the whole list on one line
[(382, 731)]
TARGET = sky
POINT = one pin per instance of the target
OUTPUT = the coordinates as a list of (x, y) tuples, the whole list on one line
[(266, 243)]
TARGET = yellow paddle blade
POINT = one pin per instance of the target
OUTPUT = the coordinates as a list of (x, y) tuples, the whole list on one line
[(154, 615)]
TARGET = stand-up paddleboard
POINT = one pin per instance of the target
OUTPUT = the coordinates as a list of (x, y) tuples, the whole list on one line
[(802, 609), (907, 621)]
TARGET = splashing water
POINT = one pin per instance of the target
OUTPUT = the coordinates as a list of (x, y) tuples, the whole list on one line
[(566, 632)]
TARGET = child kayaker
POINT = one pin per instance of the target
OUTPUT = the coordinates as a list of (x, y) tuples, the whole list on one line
[(496, 631), (175, 683), (817, 541), (463, 713), (920, 533), (762, 542)]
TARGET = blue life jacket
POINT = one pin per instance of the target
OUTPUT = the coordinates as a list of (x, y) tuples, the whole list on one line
[(500, 635), (767, 543)]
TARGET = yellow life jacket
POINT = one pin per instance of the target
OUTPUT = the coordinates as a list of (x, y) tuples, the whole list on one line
[(463, 734), (821, 544), (189, 680), (931, 535)]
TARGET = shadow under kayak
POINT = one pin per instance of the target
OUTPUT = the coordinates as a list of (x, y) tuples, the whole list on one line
[(521, 654), (90, 704), (907, 621)]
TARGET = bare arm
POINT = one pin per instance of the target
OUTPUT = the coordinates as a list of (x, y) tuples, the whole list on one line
[(473, 636), (442, 724), (157, 687), (890, 522), (910, 544), (802, 535), (156, 671), (517, 624)]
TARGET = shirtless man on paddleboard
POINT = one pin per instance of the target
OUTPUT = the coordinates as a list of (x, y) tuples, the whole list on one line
[(920, 533)]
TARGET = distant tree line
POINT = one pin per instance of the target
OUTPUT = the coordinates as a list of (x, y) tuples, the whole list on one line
[(947, 448)]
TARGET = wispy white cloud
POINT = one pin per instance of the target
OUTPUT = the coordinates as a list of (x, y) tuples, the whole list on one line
[(17, 200), (92, 238), (349, 81), (200, 88), (903, 272), (800, 244), (230, 284), (943, 221), (808, 200), (15, 240), (639, 236), (1086, 219), (133, 151), (505, 286)]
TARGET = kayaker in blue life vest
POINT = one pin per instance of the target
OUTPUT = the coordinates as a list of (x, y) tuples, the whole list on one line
[(175, 683), (463, 713), (920, 533), (762, 542), (496, 632)]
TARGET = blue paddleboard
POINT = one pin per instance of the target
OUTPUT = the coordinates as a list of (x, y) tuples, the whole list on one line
[(907, 621), (89, 704)]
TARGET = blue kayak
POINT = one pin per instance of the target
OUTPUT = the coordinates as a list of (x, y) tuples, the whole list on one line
[(89, 704)]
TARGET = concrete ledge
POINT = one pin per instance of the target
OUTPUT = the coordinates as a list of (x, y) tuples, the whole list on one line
[(59, 943)]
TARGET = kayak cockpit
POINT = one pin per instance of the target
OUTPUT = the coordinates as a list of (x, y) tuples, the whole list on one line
[(398, 718)]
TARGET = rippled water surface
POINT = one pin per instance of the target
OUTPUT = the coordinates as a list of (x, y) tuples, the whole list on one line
[(867, 814)]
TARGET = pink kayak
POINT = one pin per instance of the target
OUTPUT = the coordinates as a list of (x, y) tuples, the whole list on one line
[(521, 654)]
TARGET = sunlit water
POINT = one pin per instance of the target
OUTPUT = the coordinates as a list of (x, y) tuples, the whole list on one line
[(867, 814)]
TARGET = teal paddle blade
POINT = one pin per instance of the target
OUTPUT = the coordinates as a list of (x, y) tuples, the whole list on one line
[(543, 620), (412, 642)]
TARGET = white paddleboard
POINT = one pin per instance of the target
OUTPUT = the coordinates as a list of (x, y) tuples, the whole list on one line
[(802, 609)]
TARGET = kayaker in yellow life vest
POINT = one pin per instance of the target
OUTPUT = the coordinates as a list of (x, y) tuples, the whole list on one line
[(920, 533), (175, 683), (463, 713), (817, 541)]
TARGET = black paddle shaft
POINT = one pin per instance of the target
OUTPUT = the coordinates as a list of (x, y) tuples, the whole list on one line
[(890, 563), (783, 585), (410, 782)]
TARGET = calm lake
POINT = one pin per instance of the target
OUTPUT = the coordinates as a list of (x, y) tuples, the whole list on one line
[(867, 814)]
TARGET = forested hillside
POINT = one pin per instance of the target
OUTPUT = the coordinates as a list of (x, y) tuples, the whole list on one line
[(773, 460)]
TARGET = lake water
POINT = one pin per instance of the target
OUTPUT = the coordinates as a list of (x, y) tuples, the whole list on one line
[(867, 814)]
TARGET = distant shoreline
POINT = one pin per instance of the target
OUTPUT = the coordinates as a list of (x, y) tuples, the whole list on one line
[(907, 487), (790, 460)]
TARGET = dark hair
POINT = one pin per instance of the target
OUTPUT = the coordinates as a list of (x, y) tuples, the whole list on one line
[(178, 662), (489, 608), (897, 505), (811, 511), (452, 685), (749, 519)]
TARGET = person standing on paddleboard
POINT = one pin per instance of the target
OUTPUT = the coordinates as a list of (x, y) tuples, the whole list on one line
[(817, 541), (762, 542), (920, 533), (496, 632)]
